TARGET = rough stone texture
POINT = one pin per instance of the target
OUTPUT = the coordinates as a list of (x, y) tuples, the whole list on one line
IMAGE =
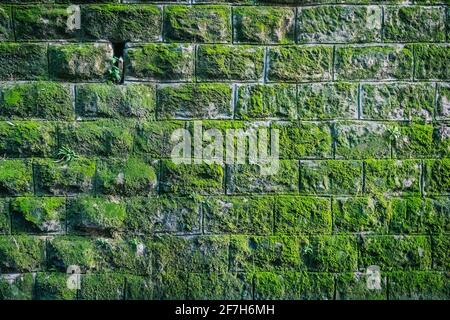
[(92, 91)]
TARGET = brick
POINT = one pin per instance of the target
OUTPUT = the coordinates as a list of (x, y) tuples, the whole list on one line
[(17, 286), (130, 177), (44, 22), (274, 253), (27, 138), (441, 256), (241, 215), (138, 288), (60, 179), (361, 214), (392, 176), (87, 214), (418, 285), (414, 23), (41, 100), (209, 23), (120, 23), (53, 286), (354, 286), (362, 140), (403, 101), (103, 286), (195, 101), (101, 137), (101, 100), (5, 220), (339, 24), (392, 253), (304, 140), (6, 28), (16, 177), (247, 178), (258, 101), (387, 62), (153, 62), (294, 286), (325, 177), (80, 62), (21, 254), (23, 61), (437, 176), (319, 101), (431, 61), (217, 286), (336, 253), (443, 107), (302, 215), (300, 63), (226, 63), (263, 25), (38, 215), (189, 179), (164, 214)]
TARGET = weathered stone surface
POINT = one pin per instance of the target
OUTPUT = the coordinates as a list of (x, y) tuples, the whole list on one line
[(229, 286), (441, 256), (432, 61), (53, 286), (23, 61), (353, 286), (263, 24), (5, 220), (418, 285), (17, 286), (437, 176), (339, 24), (106, 286), (415, 140), (16, 177), (443, 108), (6, 28), (21, 254)]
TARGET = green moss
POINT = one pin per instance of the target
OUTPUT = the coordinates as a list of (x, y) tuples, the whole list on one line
[(17, 287), (32, 214), (441, 255), (419, 286), (416, 140), (353, 286), (53, 286), (437, 175), (63, 252), (432, 61), (6, 31), (443, 101), (5, 220), (170, 286), (15, 177), (214, 286), (138, 288), (106, 286), (21, 254), (23, 61)]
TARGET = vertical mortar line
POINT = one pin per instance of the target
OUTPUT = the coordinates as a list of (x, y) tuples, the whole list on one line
[(358, 102), (296, 25), (333, 63), (332, 215), (422, 178), (232, 23), (163, 38), (387, 286), (436, 102), (382, 24), (234, 99), (12, 10), (414, 63), (364, 177), (195, 58), (265, 64)]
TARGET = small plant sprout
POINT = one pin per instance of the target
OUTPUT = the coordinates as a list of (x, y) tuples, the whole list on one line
[(114, 72), (394, 133), (66, 155)]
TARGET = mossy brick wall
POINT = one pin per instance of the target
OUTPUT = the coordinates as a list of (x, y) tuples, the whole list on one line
[(359, 90)]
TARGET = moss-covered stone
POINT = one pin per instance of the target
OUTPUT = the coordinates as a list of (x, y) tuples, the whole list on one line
[(21, 254), (443, 103), (38, 215), (361, 214), (355, 286), (138, 288), (103, 286), (403, 101), (263, 24), (258, 101), (170, 286), (209, 23), (191, 178), (16, 177), (96, 215), (441, 256), (195, 101), (219, 286), (248, 178), (44, 100), (302, 215), (330, 177), (112, 101), (374, 62), (101, 137), (414, 23), (395, 252), (169, 62), (27, 138), (392, 176), (300, 63), (243, 215), (120, 23), (339, 24), (226, 62), (323, 101), (5, 219), (6, 28), (44, 22), (418, 285), (361, 140), (64, 178), (53, 286), (431, 61), (80, 62), (179, 215), (63, 252), (129, 177), (326, 253), (437, 176), (23, 61), (16, 286)]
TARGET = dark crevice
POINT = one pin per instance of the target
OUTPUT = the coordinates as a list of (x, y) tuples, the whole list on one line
[(118, 52)]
